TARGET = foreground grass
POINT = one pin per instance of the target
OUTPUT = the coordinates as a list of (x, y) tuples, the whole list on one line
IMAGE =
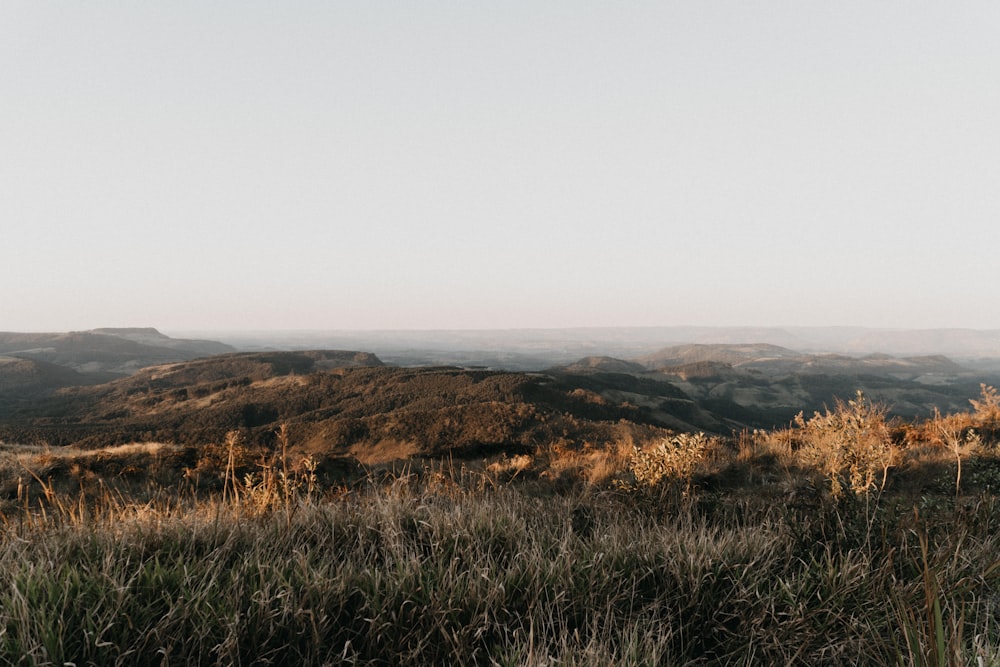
[(403, 574), (841, 540)]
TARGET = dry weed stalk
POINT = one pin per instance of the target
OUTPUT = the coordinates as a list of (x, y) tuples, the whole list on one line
[(951, 435), (274, 485)]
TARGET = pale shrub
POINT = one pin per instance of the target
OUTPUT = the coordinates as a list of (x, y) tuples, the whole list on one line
[(673, 460), (852, 445)]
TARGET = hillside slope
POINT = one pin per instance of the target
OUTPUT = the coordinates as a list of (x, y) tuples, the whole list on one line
[(335, 404)]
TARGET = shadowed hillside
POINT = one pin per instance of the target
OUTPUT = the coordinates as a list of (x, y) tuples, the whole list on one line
[(30, 376), (347, 403), (763, 385), (335, 404)]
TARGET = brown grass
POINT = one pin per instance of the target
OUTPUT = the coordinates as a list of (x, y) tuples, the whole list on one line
[(842, 539)]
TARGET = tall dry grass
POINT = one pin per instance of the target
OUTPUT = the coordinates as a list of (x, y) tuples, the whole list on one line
[(739, 553), (401, 574)]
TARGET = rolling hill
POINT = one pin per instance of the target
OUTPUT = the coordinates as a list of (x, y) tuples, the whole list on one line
[(115, 386), (104, 351), (336, 404)]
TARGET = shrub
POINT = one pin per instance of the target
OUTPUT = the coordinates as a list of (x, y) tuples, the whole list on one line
[(851, 444), (987, 408), (673, 460)]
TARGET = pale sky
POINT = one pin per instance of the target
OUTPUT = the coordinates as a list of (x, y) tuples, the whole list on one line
[(364, 165)]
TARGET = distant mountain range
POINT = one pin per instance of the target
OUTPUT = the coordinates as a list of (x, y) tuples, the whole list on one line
[(774, 359), (532, 349), (120, 385), (105, 353), (961, 344)]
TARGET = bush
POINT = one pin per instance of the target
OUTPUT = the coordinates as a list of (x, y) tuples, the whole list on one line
[(851, 445), (672, 461)]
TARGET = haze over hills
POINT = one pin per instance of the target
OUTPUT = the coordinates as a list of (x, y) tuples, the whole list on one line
[(737, 354), (106, 352), (773, 359), (533, 349), (121, 384), (180, 390), (757, 383), (125, 350)]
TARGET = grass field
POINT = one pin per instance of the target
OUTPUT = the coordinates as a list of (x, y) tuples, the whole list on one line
[(841, 540)]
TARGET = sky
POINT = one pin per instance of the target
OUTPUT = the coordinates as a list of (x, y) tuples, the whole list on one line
[(521, 164)]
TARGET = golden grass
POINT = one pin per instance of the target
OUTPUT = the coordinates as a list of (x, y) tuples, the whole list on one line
[(422, 569), (385, 451), (842, 539)]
